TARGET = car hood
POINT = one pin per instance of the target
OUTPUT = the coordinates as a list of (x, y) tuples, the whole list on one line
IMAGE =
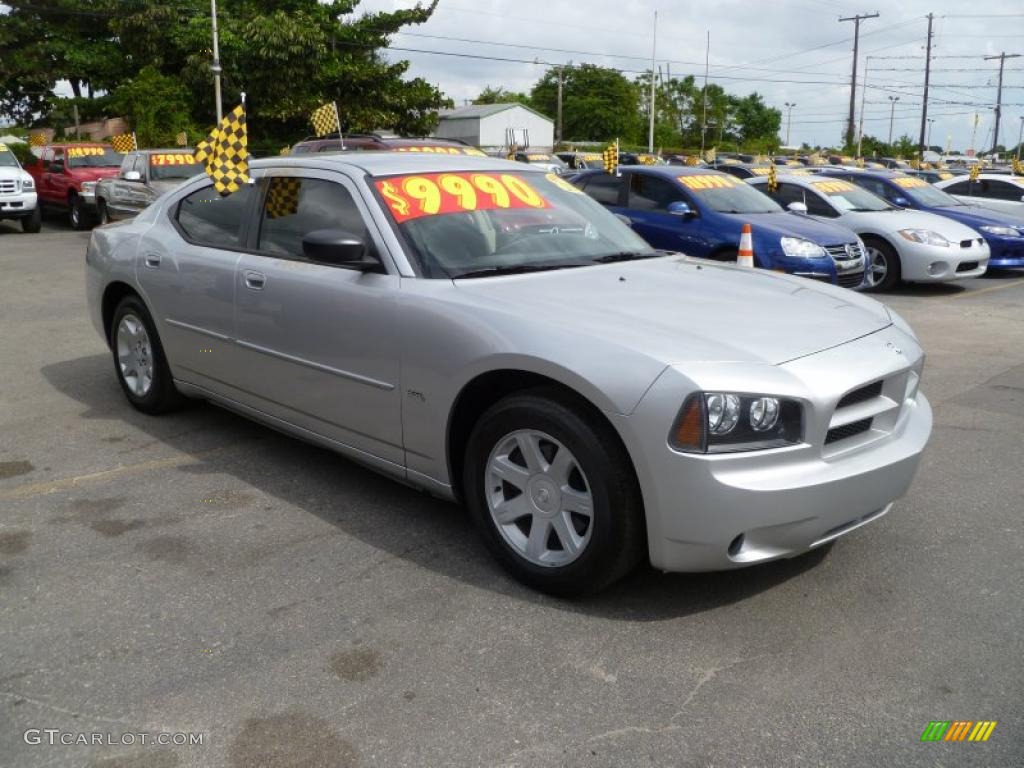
[(13, 172), (976, 216), (891, 221), (677, 309), (789, 224), (93, 174)]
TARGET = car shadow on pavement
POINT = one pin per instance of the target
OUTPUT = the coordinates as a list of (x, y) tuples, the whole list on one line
[(382, 513)]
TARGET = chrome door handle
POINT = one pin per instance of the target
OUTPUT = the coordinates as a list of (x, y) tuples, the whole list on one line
[(255, 280), (153, 260)]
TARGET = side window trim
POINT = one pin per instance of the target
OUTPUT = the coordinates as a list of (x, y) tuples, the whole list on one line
[(174, 210)]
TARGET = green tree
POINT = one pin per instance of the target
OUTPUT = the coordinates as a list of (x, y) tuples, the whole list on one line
[(501, 95), (756, 123), (598, 103), (157, 107)]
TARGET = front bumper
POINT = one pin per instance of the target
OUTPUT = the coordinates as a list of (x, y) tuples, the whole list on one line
[(1006, 252), (17, 206), (724, 511), (922, 263)]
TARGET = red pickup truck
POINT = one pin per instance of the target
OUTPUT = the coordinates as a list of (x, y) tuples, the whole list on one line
[(66, 176)]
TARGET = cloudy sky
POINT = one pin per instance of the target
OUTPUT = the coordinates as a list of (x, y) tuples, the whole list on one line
[(787, 50)]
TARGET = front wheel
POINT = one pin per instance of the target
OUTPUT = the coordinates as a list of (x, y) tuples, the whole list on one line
[(883, 272), (102, 212), (139, 360), (77, 215), (33, 223), (553, 494)]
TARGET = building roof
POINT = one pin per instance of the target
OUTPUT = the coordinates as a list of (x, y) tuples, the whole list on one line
[(480, 111)]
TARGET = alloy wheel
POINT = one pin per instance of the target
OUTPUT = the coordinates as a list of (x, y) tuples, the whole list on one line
[(539, 498), (135, 355), (878, 267)]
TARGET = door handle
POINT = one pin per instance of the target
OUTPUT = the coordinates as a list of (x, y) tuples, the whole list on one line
[(153, 260), (255, 280)]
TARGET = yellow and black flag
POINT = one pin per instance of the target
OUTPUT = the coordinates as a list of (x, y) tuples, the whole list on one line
[(283, 197), (325, 119), (225, 152), (37, 140), (610, 156), (974, 172), (181, 139), (773, 179), (124, 143)]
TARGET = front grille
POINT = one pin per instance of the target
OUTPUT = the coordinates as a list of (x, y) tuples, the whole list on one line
[(844, 252), (850, 279), (967, 266), (848, 430), (869, 392), (8, 186)]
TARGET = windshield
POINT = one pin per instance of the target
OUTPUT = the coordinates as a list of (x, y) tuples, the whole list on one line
[(849, 197), (478, 224), (727, 194), (923, 193), (93, 157), (545, 160), (173, 165), (7, 158)]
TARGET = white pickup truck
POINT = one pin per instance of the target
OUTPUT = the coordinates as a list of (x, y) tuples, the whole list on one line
[(18, 193)]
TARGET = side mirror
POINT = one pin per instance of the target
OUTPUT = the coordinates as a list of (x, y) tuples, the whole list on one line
[(901, 201), (797, 207), (340, 248), (132, 176), (624, 219), (679, 208)]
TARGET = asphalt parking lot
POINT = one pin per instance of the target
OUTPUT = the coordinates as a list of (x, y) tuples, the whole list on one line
[(198, 573)]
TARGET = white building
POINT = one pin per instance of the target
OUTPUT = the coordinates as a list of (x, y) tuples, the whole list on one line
[(498, 126)]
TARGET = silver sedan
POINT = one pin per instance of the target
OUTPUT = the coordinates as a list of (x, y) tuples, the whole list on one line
[(902, 244), (485, 332)]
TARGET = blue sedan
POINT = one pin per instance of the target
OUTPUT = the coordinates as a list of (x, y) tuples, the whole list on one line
[(702, 212), (1003, 232)]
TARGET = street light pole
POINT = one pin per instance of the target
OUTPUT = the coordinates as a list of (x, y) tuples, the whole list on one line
[(1020, 136), (215, 68), (789, 119), (931, 120), (654, 53), (892, 115)]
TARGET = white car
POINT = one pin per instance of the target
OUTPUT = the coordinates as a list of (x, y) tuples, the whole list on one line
[(998, 191), (17, 193), (901, 244)]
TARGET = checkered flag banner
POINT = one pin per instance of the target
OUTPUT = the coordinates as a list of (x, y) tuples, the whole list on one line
[(974, 172), (37, 140), (1018, 167), (225, 152), (610, 156), (181, 139), (325, 119), (773, 178), (124, 143), (283, 197)]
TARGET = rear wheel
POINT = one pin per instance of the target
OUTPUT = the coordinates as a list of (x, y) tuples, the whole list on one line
[(77, 215), (102, 212), (33, 223), (553, 494), (139, 359), (883, 273)]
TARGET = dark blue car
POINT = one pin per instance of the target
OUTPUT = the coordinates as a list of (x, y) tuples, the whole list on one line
[(1003, 232), (701, 213)]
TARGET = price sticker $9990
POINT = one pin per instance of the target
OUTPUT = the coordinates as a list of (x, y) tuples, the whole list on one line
[(412, 197)]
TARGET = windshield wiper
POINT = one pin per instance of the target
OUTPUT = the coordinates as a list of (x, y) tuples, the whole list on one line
[(626, 256), (516, 269)]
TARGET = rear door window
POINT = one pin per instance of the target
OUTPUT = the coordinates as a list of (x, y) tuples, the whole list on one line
[(206, 218), (604, 188), (650, 193)]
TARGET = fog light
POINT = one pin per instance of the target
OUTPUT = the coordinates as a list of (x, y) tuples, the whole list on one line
[(723, 413), (764, 414)]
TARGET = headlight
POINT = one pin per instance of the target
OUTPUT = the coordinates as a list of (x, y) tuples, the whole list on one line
[(28, 183), (723, 422), (925, 236), (88, 186), (1001, 231), (798, 248)]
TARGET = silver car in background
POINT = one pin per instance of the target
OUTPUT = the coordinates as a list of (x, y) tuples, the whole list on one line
[(485, 332), (901, 244), (999, 191), (144, 176)]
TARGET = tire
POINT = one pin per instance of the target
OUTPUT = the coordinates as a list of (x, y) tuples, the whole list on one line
[(33, 223), (543, 509), (728, 255), (78, 217), (132, 326), (884, 271), (102, 213)]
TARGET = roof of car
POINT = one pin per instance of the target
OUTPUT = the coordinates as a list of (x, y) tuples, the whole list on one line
[(883, 173), (388, 163)]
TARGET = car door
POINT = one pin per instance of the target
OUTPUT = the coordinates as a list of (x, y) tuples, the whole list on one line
[(320, 343), (999, 196), (117, 188), (138, 195), (189, 283), (647, 206)]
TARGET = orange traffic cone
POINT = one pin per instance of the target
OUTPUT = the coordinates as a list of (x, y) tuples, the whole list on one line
[(745, 257)]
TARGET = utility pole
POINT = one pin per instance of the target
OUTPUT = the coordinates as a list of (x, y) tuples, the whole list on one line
[(927, 76), (789, 119), (215, 68), (1020, 137), (704, 119), (892, 115), (558, 120), (999, 92), (853, 80), (654, 53)]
